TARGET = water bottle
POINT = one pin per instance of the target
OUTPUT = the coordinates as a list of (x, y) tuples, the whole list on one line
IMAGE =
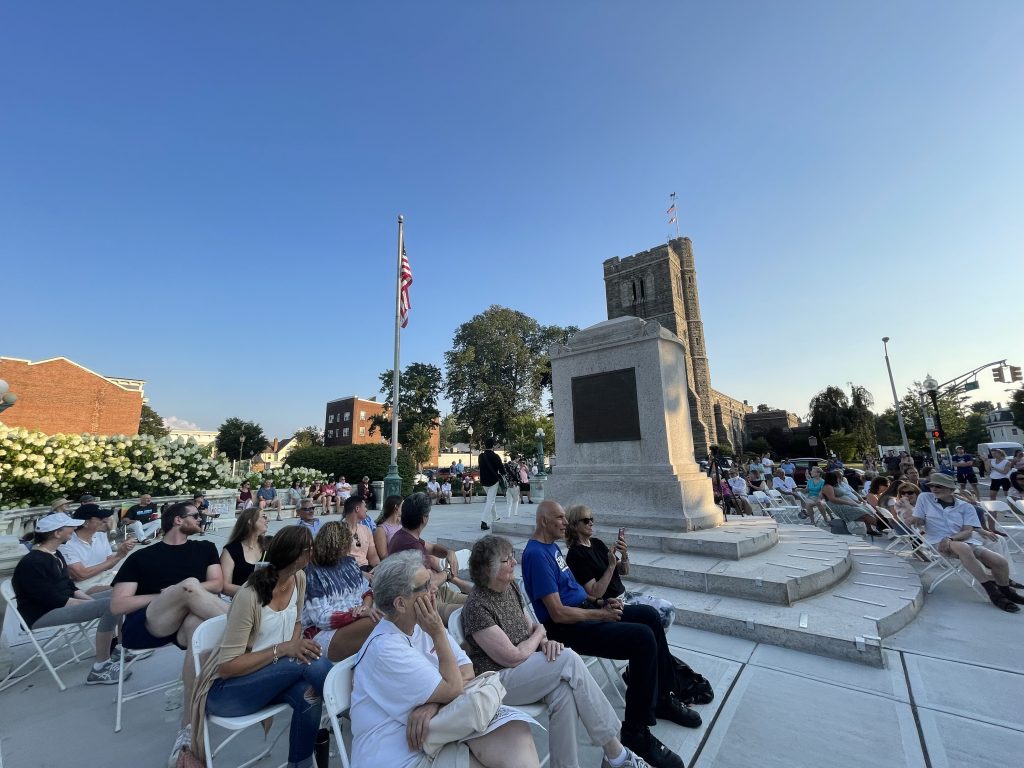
[(173, 697)]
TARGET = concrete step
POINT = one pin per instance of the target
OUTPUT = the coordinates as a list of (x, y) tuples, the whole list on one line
[(736, 539), (881, 595)]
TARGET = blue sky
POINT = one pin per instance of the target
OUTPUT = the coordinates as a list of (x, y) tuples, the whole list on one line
[(204, 195)]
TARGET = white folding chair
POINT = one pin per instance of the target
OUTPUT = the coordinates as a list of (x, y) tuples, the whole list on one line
[(760, 500), (781, 510), (992, 511), (534, 710), (338, 700), (946, 567), (1015, 509), (204, 640), (64, 636), (124, 673)]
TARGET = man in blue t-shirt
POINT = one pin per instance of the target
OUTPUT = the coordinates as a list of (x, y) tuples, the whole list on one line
[(608, 629), (964, 463)]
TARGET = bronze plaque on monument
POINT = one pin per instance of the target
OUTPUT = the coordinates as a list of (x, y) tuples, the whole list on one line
[(604, 407)]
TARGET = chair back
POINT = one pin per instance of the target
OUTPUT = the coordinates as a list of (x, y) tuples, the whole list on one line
[(455, 627), (7, 589), (995, 506), (206, 638), (338, 687)]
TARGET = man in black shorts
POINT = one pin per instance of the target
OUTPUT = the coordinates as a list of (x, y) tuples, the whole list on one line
[(964, 463), (167, 590)]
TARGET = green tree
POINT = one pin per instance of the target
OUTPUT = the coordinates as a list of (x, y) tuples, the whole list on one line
[(307, 436), (982, 407), (451, 431), (150, 423), (829, 411), (229, 438), (762, 408), (354, 462), (498, 368), (522, 436), (954, 422), (420, 388), (887, 428), (974, 432), (1016, 405), (832, 412)]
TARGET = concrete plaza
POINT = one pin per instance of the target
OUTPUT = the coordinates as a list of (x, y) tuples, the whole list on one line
[(949, 696)]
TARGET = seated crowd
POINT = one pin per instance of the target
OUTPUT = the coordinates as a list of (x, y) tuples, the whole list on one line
[(377, 592)]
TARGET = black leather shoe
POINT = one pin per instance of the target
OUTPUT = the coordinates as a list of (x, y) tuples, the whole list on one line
[(1010, 594), (644, 744), (671, 708), (484, 527)]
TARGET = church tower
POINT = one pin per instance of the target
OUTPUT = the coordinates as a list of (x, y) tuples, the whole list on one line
[(661, 284)]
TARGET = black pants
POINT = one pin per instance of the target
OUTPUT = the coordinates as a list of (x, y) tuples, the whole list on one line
[(638, 637)]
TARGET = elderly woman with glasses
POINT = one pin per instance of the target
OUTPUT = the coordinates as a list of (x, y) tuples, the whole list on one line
[(338, 612), (408, 668), (502, 637), (598, 568)]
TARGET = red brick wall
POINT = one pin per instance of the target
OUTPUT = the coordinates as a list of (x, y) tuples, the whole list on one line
[(58, 396)]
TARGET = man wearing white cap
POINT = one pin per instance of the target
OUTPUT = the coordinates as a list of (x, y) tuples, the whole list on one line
[(88, 552), (48, 598)]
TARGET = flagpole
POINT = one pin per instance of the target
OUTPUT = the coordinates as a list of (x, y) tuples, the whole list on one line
[(393, 480)]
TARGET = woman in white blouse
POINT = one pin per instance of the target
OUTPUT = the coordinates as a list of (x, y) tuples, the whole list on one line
[(998, 467), (263, 658)]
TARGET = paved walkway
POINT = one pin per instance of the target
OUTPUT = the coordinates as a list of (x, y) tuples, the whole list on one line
[(949, 697)]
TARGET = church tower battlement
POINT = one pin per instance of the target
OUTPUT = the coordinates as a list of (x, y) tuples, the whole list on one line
[(661, 284)]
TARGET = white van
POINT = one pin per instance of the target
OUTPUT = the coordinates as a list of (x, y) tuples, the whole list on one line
[(1009, 448)]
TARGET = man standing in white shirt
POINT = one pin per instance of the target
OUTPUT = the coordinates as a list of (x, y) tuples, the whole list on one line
[(88, 552)]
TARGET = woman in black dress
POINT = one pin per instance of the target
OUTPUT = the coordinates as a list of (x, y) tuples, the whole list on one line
[(246, 547)]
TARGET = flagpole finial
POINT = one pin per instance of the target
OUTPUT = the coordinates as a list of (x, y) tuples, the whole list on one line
[(400, 218)]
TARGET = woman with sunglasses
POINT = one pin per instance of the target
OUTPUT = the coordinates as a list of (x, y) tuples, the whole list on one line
[(245, 548), (263, 658), (363, 550), (408, 668), (598, 568), (338, 612)]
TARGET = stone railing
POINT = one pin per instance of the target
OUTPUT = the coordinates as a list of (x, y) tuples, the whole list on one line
[(17, 522)]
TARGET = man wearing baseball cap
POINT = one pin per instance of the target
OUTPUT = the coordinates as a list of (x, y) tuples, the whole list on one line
[(48, 598), (951, 525), (88, 552)]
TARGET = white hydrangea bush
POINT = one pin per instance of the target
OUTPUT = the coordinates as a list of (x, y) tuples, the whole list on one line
[(35, 467), (283, 477)]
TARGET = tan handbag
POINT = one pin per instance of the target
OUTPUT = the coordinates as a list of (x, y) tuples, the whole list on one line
[(467, 715)]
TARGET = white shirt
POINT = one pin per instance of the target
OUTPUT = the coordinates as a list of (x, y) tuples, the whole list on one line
[(941, 522), (344, 490), (999, 469), (785, 484), (394, 674), (446, 489), (276, 626), (433, 486), (738, 486), (75, 550)]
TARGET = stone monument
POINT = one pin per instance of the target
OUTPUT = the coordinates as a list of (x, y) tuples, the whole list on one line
[(623, 441)]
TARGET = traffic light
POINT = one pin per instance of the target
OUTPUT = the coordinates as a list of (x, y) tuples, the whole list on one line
[(936, 435), (997, 373), (1015, 373)]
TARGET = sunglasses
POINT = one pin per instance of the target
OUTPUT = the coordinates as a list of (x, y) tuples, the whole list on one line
[(587, 520), (306, 509), (196, 516)]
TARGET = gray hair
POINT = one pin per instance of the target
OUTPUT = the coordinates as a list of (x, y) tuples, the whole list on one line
[(393, 579), (485, 559)]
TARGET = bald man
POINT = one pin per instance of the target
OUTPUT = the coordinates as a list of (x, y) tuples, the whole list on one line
[(608, 629)]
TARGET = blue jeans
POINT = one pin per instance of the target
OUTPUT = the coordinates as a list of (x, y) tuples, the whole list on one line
[(286, 682)]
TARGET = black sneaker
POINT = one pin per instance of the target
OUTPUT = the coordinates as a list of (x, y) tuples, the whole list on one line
[(644, 744), (1013, 596), (671, 708), (484, 527)]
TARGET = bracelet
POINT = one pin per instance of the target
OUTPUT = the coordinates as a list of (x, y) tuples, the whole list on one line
[(275, 655)]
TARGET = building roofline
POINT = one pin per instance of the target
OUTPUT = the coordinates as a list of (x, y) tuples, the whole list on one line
[(110, 379)]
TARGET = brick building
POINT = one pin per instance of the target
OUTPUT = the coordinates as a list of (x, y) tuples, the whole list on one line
[(761, 423), (347, 422), (59, 396), (661, 284)]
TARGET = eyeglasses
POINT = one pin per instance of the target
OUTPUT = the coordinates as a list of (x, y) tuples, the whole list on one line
[(306, 509), (422, 587), (508, 560), (196, 516), (587, 520)]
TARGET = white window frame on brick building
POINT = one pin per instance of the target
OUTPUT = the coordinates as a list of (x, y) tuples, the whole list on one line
[(344, 432), (348, 415)]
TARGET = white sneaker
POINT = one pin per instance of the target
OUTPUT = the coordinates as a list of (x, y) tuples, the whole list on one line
[(632, 761), (184, 740), (107, 674)]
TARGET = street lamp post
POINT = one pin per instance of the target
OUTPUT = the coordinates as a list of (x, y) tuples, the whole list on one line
[(931, 386), (7, 398), (469, 431), (895, 399)]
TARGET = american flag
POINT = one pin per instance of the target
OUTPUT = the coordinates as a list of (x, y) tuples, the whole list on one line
[(405, 280)]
